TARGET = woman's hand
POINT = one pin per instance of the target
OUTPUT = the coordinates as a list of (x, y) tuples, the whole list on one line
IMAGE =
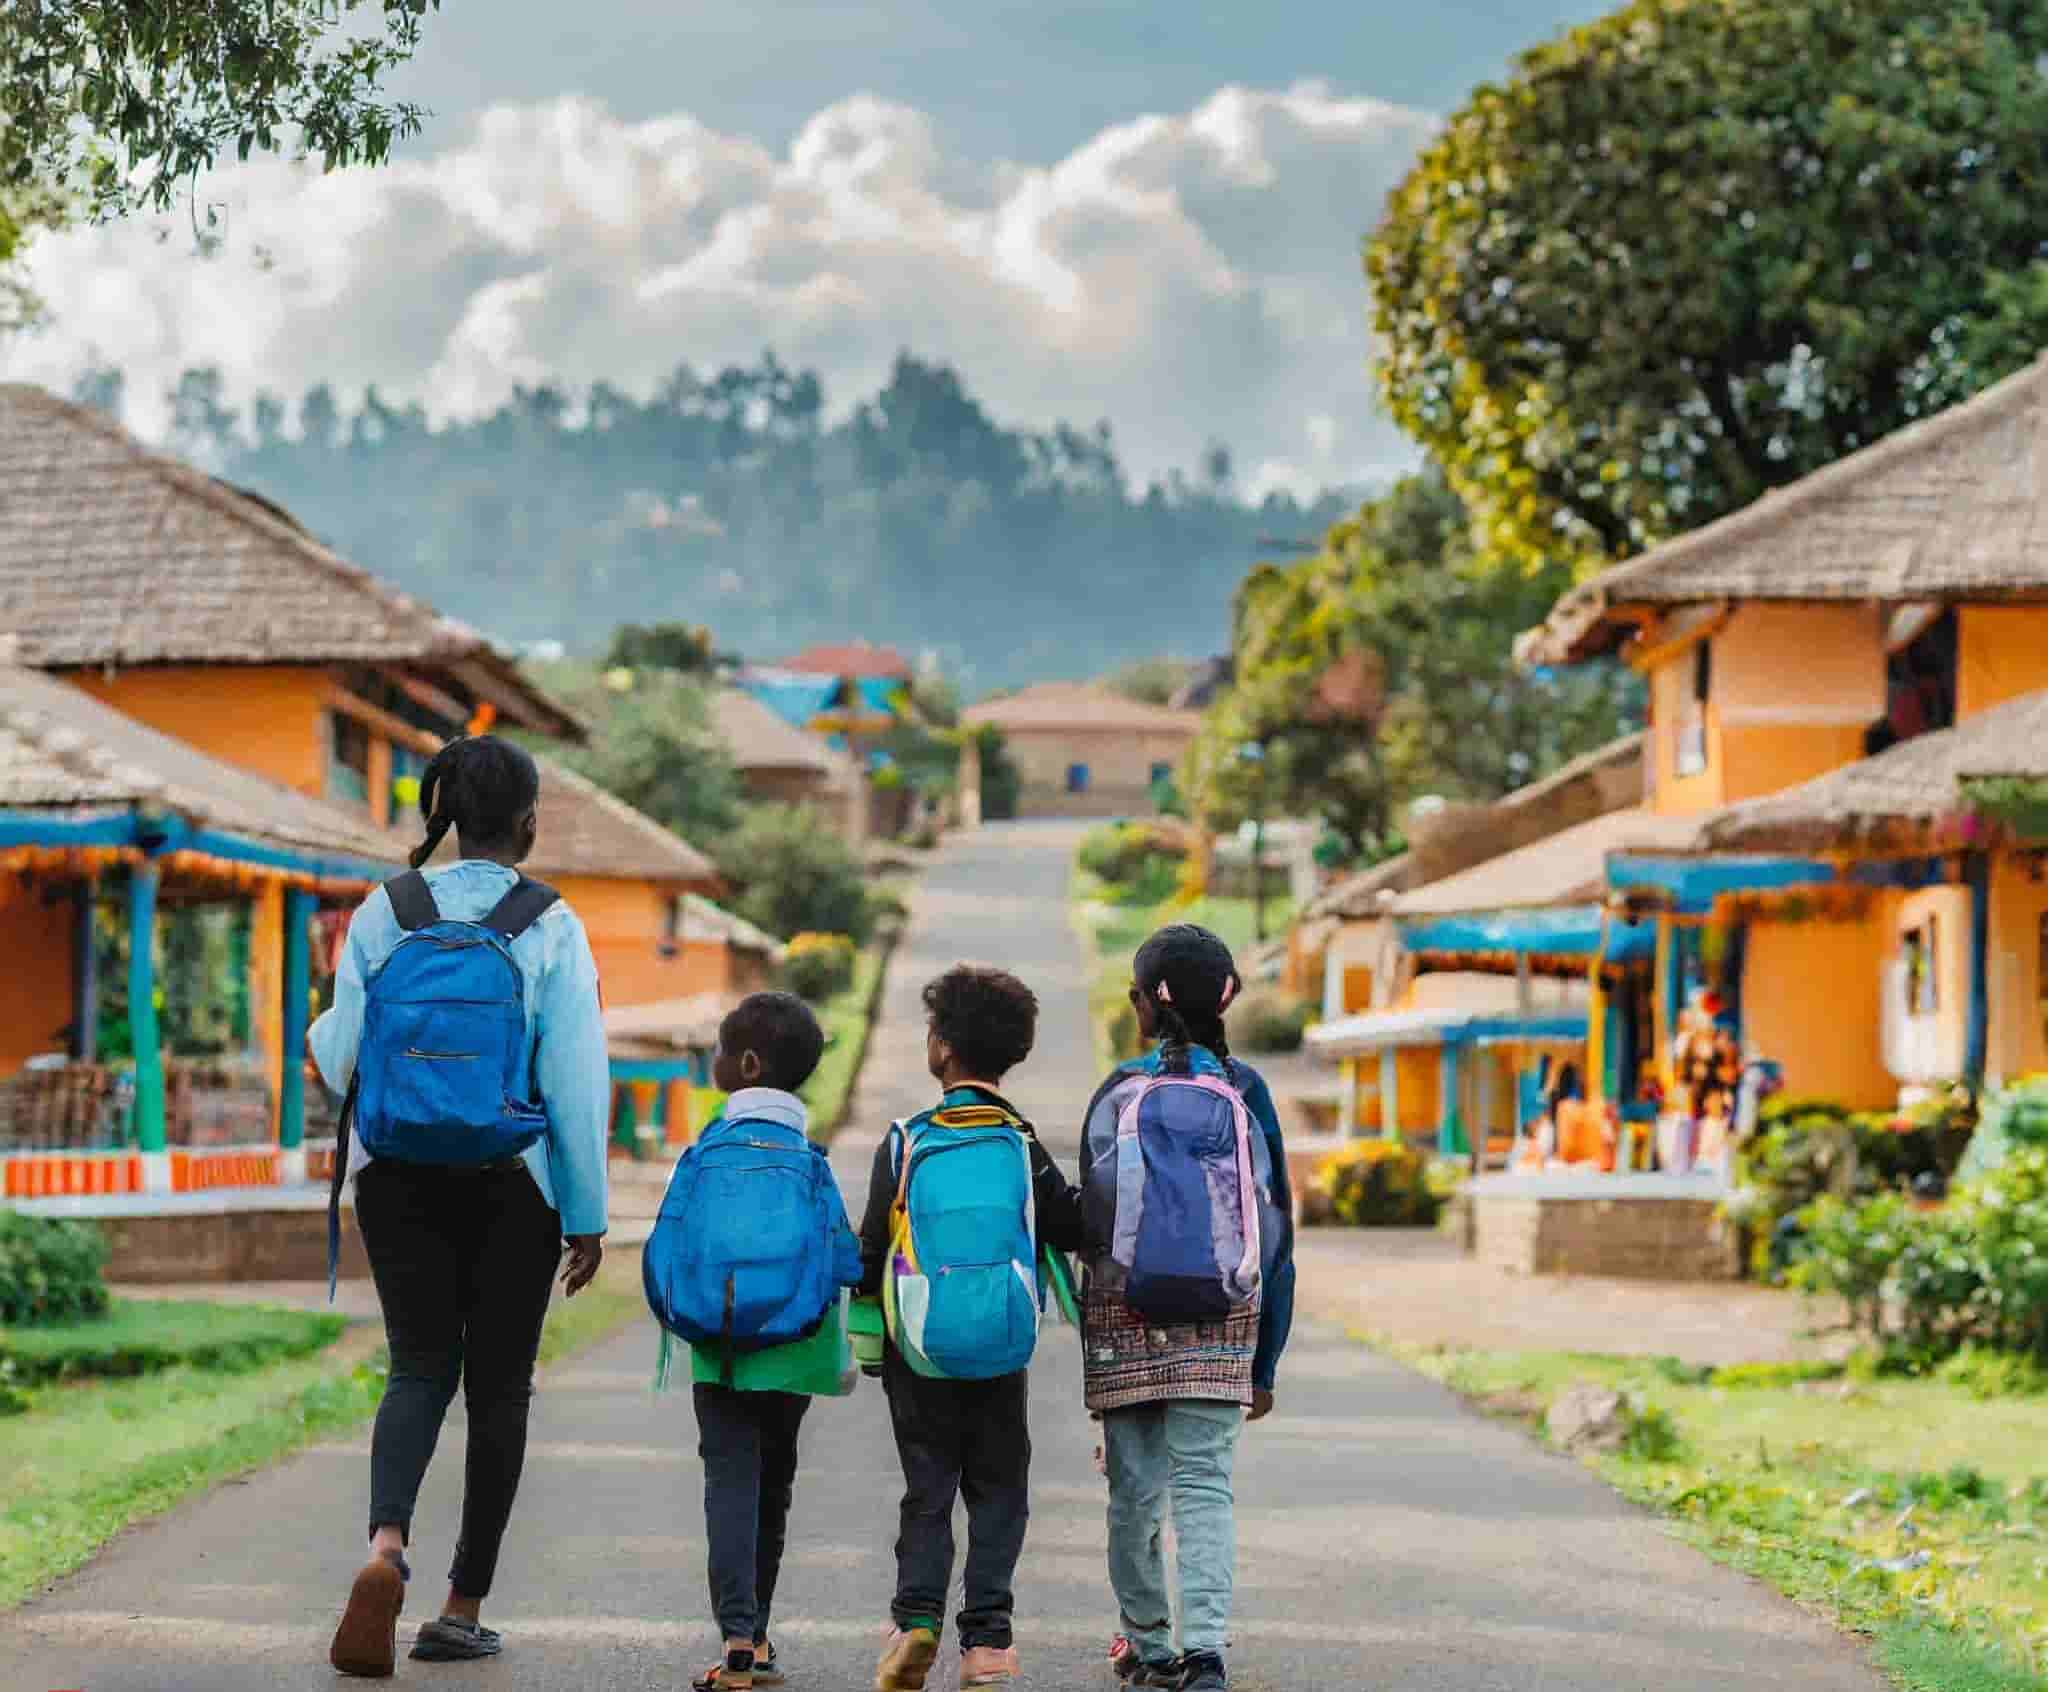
[(1262, 1405), (579, 1269)]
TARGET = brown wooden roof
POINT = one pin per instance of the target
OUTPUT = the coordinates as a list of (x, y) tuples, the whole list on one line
[(112, 554), (1952, 508)]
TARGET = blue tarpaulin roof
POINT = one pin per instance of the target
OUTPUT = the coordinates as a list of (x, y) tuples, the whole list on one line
[(795, 699), (1568, 931), (1694, 884)]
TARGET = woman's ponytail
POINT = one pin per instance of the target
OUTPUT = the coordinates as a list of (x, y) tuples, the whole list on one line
[(478, 785), (1191, 978)]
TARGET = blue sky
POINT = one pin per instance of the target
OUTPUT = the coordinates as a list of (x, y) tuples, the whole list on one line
[(1145, 213)]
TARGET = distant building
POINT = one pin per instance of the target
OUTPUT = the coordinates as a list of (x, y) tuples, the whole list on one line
[(784, 764), (1082, 750)]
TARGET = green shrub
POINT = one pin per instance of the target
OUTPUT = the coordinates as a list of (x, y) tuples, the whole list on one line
[(1138, 864), (144, 1336), (1850, 1251), (794, 876), (50, 1270), (1269, 1019), (818, 967), (1986, 1374), (2011, 1117), (1652, 1436), (887, 905), (1379, 1183)]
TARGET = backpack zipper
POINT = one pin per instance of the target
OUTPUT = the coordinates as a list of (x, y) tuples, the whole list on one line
[(442, 1057)]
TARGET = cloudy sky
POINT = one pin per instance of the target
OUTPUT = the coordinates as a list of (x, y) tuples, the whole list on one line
[(1147, 211)]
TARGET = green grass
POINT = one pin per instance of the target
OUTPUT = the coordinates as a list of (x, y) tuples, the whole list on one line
[(1806, 1483), (143, 1336), (89, 1459), (847, 1018)]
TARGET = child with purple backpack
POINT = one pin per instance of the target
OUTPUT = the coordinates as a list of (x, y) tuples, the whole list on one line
[(1189, 1300)]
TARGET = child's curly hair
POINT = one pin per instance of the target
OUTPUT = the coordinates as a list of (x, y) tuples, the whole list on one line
[(987, 1016)]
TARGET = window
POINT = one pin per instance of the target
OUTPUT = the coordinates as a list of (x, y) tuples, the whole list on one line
[(1160, 773), (1920, 677), (1922, 951), (1692, 716), (1077, 778), (348, 759), (407, 766)]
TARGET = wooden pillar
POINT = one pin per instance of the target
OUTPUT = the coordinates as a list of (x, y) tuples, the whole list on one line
[(298, 987), (1390, 1093), (1977, 1031), (676, 1111), (149, 1055), (85, 976)]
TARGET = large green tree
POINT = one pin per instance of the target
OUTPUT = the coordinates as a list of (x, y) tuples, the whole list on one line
[(1701, 248), (126, 101), (1381, 668)]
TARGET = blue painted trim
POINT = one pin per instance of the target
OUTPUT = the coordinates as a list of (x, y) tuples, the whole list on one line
[(299, 906), (1500, 1030), (41, 828), (654, 1069), (1698, 882), (142, 1023), (1560, 931), (338, 866), (157, 836), (1977, 1037)]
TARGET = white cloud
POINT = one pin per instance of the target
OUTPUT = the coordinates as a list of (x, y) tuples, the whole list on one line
[(1190, 277)]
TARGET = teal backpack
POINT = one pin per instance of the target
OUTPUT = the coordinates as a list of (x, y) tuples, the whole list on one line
[(962, 1293)]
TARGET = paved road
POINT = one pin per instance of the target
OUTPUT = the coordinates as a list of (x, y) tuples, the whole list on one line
[(1390, 1538)]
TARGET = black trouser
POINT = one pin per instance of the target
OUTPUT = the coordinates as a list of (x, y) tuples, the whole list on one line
[(464, 1260), (970, 1439), (748, 1443)]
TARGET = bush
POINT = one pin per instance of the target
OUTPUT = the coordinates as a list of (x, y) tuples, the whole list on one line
[(818, 967), (50, 1270), (2013, 1116), (1269, 1019), (1378, 1184), (1139, 865), (794, 876)]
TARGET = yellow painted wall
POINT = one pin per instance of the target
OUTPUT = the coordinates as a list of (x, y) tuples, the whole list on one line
[(267, 719), (2018, 1044), (2002, 652), (35, 987), (1810, 1000), (1757, 759)]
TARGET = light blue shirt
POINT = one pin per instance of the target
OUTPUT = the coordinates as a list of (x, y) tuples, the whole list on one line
[(571, 1066)]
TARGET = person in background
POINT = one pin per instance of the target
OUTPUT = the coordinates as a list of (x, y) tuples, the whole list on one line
[(465, 1255)]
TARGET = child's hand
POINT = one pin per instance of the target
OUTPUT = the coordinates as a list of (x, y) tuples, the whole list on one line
[(1262, 1405), (1101, 1459)]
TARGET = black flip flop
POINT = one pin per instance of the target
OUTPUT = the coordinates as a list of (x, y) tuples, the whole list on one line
[(448, 1639)]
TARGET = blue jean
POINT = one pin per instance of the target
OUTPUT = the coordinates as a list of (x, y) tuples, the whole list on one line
[(1181, 1451)]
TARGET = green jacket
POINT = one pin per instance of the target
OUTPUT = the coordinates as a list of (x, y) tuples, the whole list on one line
[(820, 1366)]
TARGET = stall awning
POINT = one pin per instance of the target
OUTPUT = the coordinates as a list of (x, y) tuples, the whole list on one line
[(1692, 885), (1376, 1031), (158, 837), (1562, 931)]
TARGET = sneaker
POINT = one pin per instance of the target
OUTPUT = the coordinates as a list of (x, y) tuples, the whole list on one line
[(450, 1639), (907, 1658), (1204, 1673), (1135, 1670), (987, 1665), (735, 1673), (366, 1639)]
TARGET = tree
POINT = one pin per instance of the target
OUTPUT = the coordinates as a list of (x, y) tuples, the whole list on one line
[(682, 647), (1701, 248), (795, 877), (130, 102), (1381, 668), (1150, 681)]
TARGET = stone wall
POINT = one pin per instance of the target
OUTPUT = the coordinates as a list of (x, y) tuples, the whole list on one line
[(1653, 1239), (236, 1245)]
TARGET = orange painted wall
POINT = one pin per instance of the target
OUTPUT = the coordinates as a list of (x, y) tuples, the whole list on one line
[(1810, 1000), (266, 719), (1761, 759), (625, 922), (2018, 1041), (2002, 652), (35, 987)]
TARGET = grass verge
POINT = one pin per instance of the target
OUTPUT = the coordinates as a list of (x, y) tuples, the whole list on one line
[(1913, 1512), (848, 1018), (145, 1336), (91, 1458)]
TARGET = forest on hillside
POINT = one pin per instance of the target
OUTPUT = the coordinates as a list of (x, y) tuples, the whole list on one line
[(730, 501)]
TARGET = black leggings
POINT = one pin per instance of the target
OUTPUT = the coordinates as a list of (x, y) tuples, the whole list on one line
[(464, 1261)]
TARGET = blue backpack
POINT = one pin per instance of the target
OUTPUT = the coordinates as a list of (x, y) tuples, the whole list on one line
[(752, 1245), (962, 1293), (444, 1073)]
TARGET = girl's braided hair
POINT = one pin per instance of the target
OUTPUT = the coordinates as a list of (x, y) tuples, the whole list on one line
[(480, 786), (1190, 977)]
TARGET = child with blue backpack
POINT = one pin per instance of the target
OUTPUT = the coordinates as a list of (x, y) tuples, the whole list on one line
[(467, 1035), (1189, 1300), (747, 1262), (961, 1199)]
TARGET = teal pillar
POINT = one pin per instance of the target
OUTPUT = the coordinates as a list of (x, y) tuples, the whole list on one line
[(1450, 1133), (1977, 1030), (85, 961), (149, 1056), (298, 987), (1390, 1093)]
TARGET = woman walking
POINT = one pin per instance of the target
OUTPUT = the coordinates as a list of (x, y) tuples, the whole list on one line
[(467, 1035)]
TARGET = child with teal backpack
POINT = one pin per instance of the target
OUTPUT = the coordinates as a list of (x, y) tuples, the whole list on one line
[(961, 1201), (749, 1262)]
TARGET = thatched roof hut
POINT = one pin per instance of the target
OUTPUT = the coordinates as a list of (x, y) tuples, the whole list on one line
[(1952, 508)]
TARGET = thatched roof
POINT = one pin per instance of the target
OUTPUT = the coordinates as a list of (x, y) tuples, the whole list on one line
[(1568, 868), (111, 554), (1066, 707), (61, 750), (1357, 897), (1897, 797), (588, 832), (669, 1025), (760, 739), (1952, 508), (701, 918)]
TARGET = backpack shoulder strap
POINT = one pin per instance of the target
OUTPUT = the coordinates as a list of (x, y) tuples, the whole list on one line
[(412, 901), (521, 908)]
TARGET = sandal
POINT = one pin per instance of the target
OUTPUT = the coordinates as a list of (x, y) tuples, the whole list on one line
[(767, 1667), (450, 1639), (734, 1672), (366, 1640)]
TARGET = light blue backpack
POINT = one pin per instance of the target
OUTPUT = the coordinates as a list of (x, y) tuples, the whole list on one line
[(962, 1295)]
